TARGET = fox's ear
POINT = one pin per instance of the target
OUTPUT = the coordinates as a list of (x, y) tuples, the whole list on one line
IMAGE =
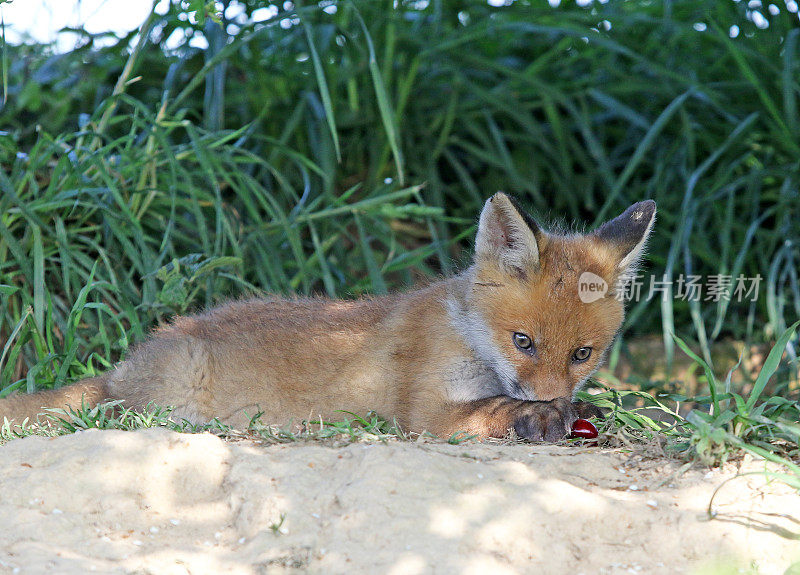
[(507, 235), (627, 234)]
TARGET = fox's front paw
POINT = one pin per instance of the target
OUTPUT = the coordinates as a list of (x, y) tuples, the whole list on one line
[(552, 420)]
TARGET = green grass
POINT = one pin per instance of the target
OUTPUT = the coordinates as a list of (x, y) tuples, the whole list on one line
[(350, 153), (90, 259)]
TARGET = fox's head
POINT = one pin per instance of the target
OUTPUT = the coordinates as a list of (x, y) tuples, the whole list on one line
[(543, 308)]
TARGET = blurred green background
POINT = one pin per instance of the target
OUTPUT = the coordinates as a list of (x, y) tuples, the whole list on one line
[(346, 147)]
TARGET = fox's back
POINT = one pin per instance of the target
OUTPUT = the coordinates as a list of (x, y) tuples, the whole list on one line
[(292, 357)]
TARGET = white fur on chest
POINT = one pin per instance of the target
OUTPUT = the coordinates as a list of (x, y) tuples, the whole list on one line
[(471, 380), (486, 374)]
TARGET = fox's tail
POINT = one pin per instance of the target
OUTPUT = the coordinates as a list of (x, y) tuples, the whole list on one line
[(18, 407)]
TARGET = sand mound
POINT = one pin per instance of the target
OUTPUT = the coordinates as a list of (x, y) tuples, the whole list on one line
[(155, 501)]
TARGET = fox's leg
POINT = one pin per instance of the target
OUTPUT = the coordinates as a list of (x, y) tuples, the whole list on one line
[(535, 420)]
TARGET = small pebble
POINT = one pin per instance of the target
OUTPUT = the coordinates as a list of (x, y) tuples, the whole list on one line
[(242, 541), (137, 542), (709, 475), (480, 475), (175, 521), (652, 503), (154, 529), (57, 511), (633, 487)]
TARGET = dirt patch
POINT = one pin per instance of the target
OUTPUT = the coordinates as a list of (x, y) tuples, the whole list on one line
[(155, 501)]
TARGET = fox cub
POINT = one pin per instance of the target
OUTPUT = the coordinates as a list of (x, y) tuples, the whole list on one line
[(503, 345)]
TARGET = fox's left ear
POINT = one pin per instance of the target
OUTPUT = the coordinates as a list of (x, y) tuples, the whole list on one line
[(627, 234)]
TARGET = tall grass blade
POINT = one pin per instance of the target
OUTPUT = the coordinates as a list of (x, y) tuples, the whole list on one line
[(770, 365), (388, 119)]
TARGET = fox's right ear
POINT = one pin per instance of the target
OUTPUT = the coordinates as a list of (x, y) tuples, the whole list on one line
[(627, 234), (507, 236)]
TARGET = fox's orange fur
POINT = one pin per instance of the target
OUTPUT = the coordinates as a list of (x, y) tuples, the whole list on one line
[(440, 359)]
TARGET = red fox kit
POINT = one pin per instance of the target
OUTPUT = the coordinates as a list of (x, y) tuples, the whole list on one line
[(503, 345)]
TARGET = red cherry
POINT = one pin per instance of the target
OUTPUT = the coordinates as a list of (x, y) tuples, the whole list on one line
[(583, 429)]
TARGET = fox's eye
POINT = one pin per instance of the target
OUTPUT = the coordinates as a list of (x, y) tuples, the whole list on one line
[(581, 354), (523, 342)]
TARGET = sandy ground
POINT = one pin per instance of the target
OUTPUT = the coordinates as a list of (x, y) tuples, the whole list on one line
[(155, 501)]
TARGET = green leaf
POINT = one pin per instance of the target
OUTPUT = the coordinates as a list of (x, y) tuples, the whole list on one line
[(712, 381), (324, 91), (771, 364)]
